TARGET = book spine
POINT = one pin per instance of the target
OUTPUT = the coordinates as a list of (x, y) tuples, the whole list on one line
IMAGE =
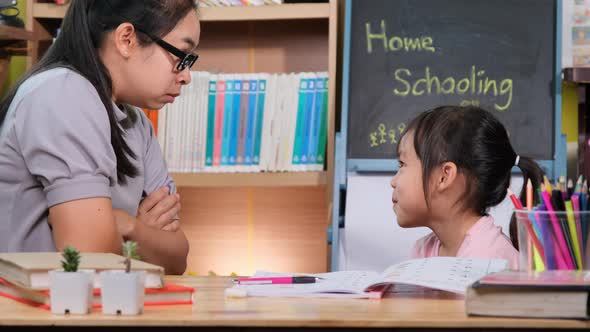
[(312, 133), (312, 149), (300, 118), (219, 115), (227, 122), (211, 121), (261, 95), (203, 101), (309, 100), (235, 126), (251, 127), (321, 156), (242, 131)]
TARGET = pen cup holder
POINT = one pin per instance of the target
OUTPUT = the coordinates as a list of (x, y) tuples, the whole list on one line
[(553, 240)]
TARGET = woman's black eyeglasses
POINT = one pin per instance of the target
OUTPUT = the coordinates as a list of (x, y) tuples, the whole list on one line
[(186, 59)]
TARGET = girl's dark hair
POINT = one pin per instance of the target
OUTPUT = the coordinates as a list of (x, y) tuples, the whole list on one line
[(77, 47), (478, 144)]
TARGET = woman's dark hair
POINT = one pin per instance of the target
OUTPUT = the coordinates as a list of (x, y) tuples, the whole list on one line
[(77, 47), (478, 144)]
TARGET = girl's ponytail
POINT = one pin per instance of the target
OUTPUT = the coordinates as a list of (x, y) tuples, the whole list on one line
[(530, 171)]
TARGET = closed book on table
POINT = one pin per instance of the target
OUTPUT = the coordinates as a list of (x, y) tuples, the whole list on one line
[(543, 294), (31, 269)]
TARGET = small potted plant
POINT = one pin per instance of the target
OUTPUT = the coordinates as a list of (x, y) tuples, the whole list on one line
[(70, 289), (122, 292)]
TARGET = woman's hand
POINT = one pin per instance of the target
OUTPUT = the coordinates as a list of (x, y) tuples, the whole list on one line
[(160, 210)]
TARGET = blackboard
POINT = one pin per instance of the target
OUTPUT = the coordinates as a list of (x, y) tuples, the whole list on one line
[(406, 56)]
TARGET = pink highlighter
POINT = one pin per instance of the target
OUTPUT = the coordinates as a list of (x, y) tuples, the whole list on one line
[(277, 280)]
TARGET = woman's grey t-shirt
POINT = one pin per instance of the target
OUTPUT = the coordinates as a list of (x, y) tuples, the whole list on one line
[(55, 147)]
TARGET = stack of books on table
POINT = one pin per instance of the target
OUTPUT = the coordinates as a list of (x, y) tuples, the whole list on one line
[(24, 277)]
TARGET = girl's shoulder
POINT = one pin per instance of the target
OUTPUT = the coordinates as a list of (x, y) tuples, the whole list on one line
[(486, 240), (426, 246)]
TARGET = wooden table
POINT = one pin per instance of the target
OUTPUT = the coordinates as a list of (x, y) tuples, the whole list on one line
[(424, 310)]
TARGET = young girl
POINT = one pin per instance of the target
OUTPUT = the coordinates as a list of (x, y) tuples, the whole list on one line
[(76, 159), (455, 163)]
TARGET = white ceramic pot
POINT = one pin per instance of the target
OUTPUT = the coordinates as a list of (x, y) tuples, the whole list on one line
[(70, 292), (122, 293)]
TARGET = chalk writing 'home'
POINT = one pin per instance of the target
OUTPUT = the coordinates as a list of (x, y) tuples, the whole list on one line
[(377, 38)]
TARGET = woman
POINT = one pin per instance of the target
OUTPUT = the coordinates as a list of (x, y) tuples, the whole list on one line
[(76, 160)]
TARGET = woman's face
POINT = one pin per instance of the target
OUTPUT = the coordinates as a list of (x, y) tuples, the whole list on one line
[(152, 78)]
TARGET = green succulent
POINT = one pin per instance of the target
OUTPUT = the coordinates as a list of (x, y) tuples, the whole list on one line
[(130, 252), (71, 259)]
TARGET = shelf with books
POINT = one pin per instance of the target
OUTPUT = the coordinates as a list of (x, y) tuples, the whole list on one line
[(242, 217), (275, 179), (246, 13), (246, 123), (233, 221), (272, 12)]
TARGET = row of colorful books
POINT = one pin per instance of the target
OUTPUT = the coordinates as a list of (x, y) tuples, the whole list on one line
[(246, 123)]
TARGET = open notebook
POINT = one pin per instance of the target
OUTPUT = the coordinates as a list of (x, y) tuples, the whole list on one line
[(450, 274)]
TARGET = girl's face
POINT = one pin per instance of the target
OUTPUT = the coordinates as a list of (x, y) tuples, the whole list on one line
[(153, 79), (408, 199)]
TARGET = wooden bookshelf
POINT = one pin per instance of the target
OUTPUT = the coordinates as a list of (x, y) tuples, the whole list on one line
[(278, 12), (48, 10), (8, 33), (274, 179), (249, 13), (239, 222), (13, 41)]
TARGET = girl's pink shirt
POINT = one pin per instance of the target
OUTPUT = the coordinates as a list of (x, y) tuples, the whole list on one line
[(483, 240)]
